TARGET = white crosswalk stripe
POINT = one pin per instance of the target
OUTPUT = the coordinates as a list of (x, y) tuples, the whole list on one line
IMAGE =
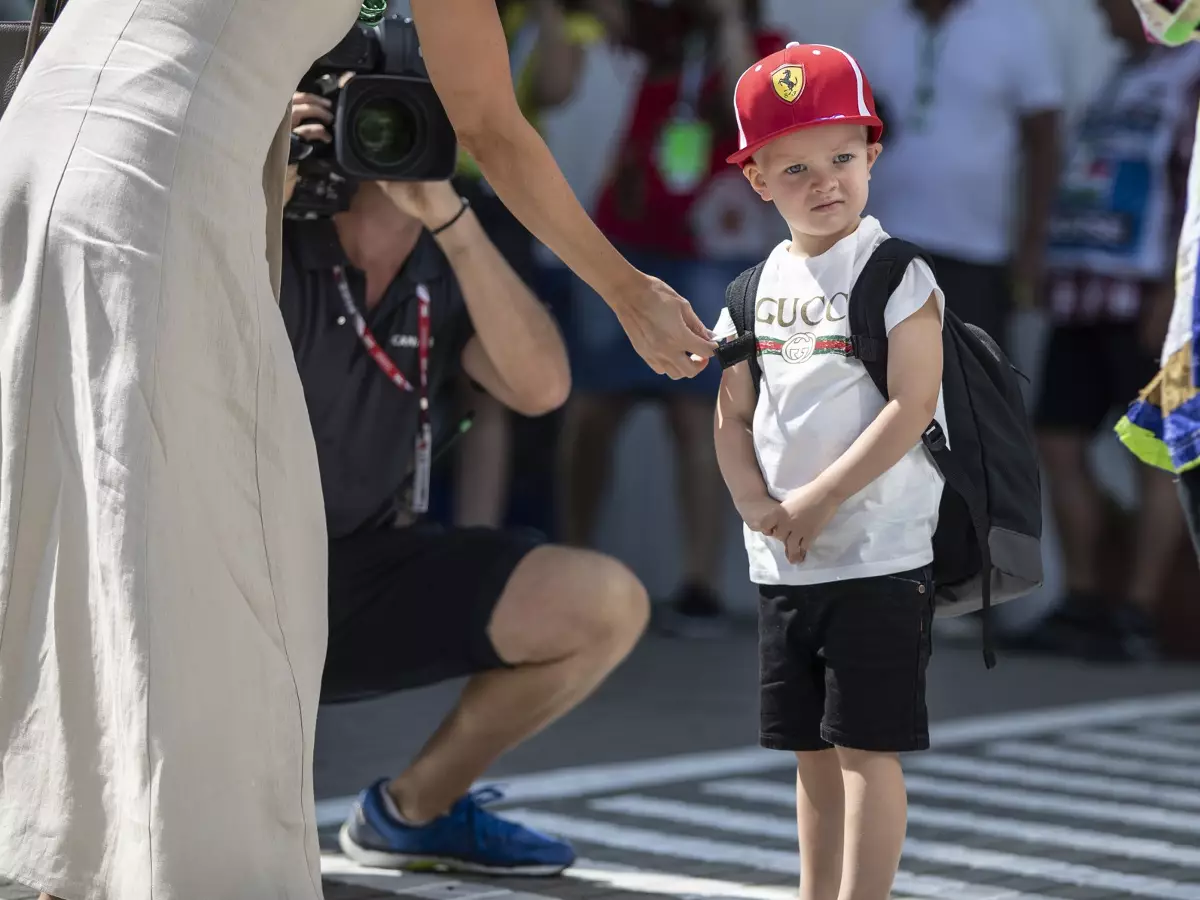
[(669, 884), (759, 825), (706, 850), (1036, 834), (1076, 758), (1004, 798), (1178, 730), (1032, 809), (1055, 779), (1147, 747), (1044, 810)]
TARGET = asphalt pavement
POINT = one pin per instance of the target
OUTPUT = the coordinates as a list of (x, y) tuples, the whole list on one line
[(1047, 779), (673, 696)]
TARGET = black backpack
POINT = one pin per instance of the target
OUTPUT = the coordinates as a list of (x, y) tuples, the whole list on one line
[(987, 546)]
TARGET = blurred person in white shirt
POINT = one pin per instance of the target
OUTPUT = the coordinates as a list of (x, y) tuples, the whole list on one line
[(971, 96)]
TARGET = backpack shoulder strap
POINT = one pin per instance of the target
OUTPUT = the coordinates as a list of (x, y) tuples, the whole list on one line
[(868, 301), (740, 298), (869, 298)]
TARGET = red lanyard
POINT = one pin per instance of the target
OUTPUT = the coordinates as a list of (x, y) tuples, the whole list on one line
[(424, 446)]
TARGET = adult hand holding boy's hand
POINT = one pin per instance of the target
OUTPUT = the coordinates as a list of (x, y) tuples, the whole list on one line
[(808, 510)]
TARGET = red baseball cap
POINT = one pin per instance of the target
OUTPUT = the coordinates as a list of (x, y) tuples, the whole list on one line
[(801, 86)]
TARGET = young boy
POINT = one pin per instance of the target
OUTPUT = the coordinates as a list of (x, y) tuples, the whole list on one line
[(839, 498)]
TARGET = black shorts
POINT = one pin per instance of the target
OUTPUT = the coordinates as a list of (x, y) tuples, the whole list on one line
[(843, 663), (1090, 371), (410, 607)]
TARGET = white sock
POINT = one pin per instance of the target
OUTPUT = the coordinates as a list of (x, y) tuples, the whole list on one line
[(389, 806)]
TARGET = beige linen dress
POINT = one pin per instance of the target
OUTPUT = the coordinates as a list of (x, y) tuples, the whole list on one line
[(162, 539)]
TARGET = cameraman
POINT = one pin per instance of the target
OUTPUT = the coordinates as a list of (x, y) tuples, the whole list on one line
[(537, 627)]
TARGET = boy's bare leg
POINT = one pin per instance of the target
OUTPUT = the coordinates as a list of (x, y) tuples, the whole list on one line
[(820, 817), (46, 897), (876, 821)]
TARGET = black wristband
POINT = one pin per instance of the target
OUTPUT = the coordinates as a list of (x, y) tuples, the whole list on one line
[(466, 204)]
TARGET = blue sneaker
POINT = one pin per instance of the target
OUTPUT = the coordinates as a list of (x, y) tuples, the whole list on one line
[(466, 839)]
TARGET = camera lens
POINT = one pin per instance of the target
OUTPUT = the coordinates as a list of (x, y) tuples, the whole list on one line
[(384, 131)]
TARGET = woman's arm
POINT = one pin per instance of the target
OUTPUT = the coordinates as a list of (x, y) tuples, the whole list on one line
[(464, 49)]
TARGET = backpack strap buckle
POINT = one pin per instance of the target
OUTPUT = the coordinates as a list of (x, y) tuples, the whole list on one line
[(933, 437), (868, 349), (735, 350)]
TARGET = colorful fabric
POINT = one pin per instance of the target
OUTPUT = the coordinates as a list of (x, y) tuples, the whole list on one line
[(803, 346), (1122, 194), (638, 207), (1162, 427), (1170, 22)]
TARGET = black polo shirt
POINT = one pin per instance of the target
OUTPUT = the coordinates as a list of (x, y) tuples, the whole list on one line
[(365, 426)]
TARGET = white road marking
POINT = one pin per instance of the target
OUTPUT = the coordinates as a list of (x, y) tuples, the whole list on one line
[(583, 781), (1179, 730), (659, 843), (1068, 718), (1050, 869), (634, 880), (1076, 758), (1056, 779), (668, 884), (637, 880), (758, 825), (1142, 747), (1156, 752), (336, 867), (1019, 830), (1003, 798)]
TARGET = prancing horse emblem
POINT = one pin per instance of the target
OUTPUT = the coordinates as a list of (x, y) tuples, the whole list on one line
[(789, 82)]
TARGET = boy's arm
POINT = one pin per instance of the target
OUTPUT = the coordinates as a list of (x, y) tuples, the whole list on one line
[(733, 432), (914, 380)]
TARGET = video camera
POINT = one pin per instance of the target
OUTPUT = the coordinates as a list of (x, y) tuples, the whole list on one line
[(389, 124)]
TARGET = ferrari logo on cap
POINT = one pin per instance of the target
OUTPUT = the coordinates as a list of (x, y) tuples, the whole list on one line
[(789, 82)]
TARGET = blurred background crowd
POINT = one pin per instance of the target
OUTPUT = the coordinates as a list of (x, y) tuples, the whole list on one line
[(1038, 148)]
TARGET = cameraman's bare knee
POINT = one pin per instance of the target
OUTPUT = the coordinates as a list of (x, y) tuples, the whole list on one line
[(562, 601)]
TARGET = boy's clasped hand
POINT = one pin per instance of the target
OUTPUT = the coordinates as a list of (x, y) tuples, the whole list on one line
[(796, 521)]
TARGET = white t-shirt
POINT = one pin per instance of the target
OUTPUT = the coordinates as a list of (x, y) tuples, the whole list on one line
[(815, 403), (953, 102)]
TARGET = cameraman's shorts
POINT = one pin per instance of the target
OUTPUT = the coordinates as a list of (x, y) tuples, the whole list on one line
[(410, 607)]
